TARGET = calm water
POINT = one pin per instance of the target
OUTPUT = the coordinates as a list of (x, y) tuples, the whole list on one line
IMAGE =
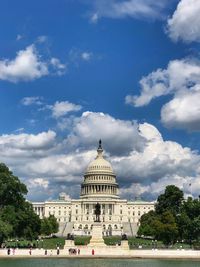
[(96, 263)]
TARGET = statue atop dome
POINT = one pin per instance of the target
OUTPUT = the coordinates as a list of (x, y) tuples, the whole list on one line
[(100, 142), (100, 149)]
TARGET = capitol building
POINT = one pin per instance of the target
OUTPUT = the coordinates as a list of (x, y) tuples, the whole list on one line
[(76, 216)]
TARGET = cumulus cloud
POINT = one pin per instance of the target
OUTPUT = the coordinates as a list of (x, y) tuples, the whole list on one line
[(140, 9), (39, 182), (185, 22), (181, 79), (76, 56), (59, 67), (119, 136), (183, 111), (31, 100), (23, 144), (26, 66), (143, 161), (60, 109), (179, 75)]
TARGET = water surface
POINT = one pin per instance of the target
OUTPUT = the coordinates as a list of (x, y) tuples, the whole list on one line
[(96, 263)]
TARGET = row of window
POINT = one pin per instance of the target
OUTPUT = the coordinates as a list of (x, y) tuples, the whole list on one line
[(99, 167), (109, 178), (60, 207)]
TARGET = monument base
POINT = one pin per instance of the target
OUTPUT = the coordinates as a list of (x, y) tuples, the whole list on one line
[(97, 237), (69, 244), (124, 244)]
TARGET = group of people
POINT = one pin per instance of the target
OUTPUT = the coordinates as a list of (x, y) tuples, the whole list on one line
[(74, 251), (11, 251)]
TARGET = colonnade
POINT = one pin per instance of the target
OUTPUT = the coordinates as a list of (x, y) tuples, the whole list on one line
[(99, 189)]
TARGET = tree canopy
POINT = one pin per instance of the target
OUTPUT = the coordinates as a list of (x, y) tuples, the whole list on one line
[(17, 218), (49, 225), (170, 200), (173, 219)]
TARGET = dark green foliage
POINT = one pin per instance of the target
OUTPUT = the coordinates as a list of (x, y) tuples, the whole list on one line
[(49, 225), (12, 191), (166, 228), (174, 218), (82, 240), (171, 200), (15, 211), (147, 223), (5, 230)]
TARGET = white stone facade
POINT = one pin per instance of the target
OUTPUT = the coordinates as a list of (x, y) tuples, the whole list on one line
[(76, 216)]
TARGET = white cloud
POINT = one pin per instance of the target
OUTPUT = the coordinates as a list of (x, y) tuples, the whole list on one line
[(26, 66), (58, 66), (149, 132), (139, 9), (143, 161), (181, 79), (119, 136), (183, 111), (39, 182), (31, 100), (185, 23), (42, 39), (179, 75), (23, 142), (86, 56), (76, 56), (60, 109)]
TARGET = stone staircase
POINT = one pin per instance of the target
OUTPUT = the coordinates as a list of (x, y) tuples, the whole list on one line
[(68, 229), (65, 229), (130, 229)]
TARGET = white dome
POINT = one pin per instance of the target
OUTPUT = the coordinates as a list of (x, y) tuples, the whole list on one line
[(99, 179), (99, 165)]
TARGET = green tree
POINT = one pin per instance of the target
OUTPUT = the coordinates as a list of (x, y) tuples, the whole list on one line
[(188, 220), (54, 223), (49, 225), (5, 230), (15, 211), (171, 200), (147, 224), (12, 191), (167, 230)]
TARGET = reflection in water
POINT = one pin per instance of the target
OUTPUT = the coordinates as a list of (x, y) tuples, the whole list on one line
[(96, 263)]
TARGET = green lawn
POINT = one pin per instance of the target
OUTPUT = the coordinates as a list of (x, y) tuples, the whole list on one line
[(47, 243), (51, 243)]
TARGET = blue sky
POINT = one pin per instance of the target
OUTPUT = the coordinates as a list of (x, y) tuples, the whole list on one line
[(126, 71)]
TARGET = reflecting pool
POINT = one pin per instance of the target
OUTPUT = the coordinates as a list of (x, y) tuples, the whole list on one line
[(48, 262)]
